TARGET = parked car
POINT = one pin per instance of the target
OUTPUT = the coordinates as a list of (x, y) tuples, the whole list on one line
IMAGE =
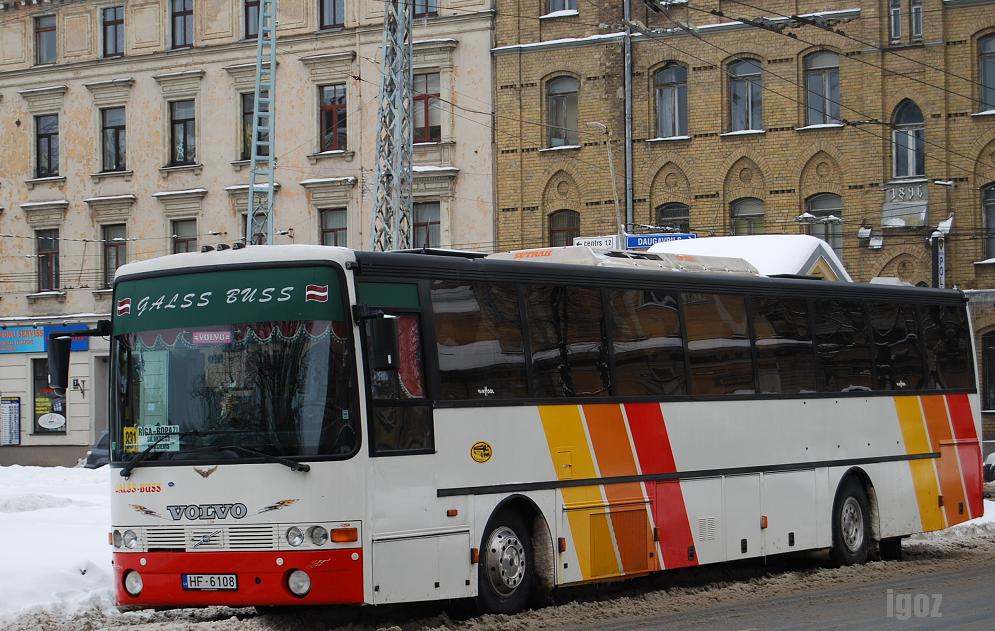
[(990, 468), (100, 452)]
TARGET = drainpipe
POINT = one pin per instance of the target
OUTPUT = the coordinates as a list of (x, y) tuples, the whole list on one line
[(627, 43)]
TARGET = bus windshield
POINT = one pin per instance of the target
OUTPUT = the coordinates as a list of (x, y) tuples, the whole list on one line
[(206, 388)]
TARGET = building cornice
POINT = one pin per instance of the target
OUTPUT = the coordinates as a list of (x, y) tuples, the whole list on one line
[(966, 3)]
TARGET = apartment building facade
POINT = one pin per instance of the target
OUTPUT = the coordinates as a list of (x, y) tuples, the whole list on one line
[(124, 135)]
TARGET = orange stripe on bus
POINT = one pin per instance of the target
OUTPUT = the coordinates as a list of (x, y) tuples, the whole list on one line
[(583, 505), (633, 533), (951, 484), (923, 471), (968, 450)]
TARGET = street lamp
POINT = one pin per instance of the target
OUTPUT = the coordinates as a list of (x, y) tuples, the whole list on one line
[(611, 169)]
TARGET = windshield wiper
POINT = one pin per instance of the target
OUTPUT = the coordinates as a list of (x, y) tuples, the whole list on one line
[(137, 458), (287, 462)]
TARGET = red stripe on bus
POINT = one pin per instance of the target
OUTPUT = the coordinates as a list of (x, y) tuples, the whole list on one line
[(951, 482), (649, 434), (969, 450), (961, 417)]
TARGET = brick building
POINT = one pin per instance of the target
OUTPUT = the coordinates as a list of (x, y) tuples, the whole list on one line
[(868, 137)]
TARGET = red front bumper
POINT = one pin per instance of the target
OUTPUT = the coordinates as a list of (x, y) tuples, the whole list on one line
[(336, 577)]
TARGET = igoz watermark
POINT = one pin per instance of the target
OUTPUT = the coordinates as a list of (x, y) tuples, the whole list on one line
[(906, 605)]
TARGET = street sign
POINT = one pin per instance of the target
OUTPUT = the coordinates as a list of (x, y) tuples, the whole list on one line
[(643, 241), (608, 241)]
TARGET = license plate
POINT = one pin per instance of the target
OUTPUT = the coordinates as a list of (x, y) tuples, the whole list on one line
[(210, 582)]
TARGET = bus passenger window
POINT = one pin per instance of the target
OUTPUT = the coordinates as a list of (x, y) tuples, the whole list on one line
[(718, 344), (478, 334), (569, 345), (646, 333), (947, 340), (897, 350), (785, 356), (841, 340)]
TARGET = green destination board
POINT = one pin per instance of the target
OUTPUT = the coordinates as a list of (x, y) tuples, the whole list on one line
[(224, 297)]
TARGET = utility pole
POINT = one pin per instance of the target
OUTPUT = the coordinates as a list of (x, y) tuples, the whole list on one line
[(619, 226), (262, 179), (391, 224), (627, 54)]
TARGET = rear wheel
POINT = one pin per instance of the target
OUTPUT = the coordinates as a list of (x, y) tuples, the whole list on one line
[(851, 524), (506, 571)]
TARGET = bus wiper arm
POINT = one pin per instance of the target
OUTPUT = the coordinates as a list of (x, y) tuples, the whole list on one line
[(287, 462)]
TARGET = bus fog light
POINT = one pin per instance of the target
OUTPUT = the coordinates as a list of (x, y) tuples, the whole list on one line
[(117, 538), (318, 535), (295, 536), (130, 539), (133, 582), (299, 583)]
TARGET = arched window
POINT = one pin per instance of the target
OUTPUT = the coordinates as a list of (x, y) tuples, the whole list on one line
[(747, 216), (745, 95), (828, 225), (671, 101), (676, 216), (564, 225), (908, 141), (561, 100), (988, 212), (986, 71), (822, 83)]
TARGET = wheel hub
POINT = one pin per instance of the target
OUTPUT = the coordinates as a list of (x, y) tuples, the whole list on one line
[(852, 524), (505, 561)]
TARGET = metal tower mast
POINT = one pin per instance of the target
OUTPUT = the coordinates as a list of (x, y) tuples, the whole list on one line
[(391, 225), (259, 216)]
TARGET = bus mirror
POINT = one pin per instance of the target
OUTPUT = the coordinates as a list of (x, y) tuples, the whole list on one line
[(384, 333), (58, 362)]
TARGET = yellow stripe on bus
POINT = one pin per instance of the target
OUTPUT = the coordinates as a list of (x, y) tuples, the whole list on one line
[(923, 471), (584, 506)]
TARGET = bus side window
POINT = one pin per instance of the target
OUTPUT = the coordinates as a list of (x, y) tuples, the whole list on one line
[(841, 340), (947, 341), (897, 349), (784, 345), (646, 333), (718, 344)]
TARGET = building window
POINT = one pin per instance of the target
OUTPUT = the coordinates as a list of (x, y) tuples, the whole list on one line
[(333, 118), (561, 5), (908, 141), (333, 227), (425, 232), (988, 371), (45, 46), (115, 251), (426, 8), (248, 109), (747, 216), (182, 19), (915, 17), (564, 225), (675, 217), (561, 99), (828, 225), (47, 145), (113, 139), (250, 12), (822, 83), (988, 206), (986, 70), (184, 235), (113, 30), (47, 251), (332, 13), (183, 138), (49, 407), (895, 20), (745, 95), (671, 101), (428, 115)]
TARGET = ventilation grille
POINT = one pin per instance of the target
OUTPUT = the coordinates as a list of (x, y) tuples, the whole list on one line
[(211, 539), (165, 538), (707, 528), (252, 538)]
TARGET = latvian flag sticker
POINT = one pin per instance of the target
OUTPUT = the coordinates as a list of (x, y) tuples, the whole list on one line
[(124, 306), (316, 293)]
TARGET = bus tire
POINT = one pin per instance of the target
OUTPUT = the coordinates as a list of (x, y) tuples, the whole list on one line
[(851, 524), (506, 568)]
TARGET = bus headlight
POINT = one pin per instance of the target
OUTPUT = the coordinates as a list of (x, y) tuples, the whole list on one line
[(295, 536), (117, 538), (133, 582), (299, 583), (318, 535), (130, 539)]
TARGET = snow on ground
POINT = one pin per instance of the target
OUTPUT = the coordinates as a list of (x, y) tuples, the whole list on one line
[(56, 572)]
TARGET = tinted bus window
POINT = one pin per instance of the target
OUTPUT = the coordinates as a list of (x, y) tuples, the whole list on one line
[(569, 346), (897, 350), (785, 356), (478, 334), (646, 332), (718, 344), (841, 340), (947, 340)]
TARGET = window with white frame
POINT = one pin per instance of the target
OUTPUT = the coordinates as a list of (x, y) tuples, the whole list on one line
[(561, 5), (908, 133), (561, 102), (822, 87), (425, 231), (986, 72), (988, 212), (671, 101), (745, 95), (828, 223), (915, 19), (333, 226), (47, 255), (747, 216), (895, 20)]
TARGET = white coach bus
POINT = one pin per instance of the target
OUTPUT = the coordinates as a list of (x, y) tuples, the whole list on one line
[(298, 425)]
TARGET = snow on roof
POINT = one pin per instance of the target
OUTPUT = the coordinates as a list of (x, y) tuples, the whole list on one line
[(251, 254), (771, 254)]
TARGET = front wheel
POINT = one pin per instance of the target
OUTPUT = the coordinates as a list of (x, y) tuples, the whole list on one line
[(851, 524), (506, 572)]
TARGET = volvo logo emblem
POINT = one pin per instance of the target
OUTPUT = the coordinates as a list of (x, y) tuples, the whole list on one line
[(205, 539)]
